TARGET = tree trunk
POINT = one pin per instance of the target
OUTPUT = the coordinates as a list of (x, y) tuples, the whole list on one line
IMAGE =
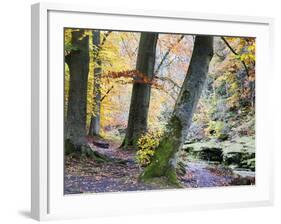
[(94, 129), (137, 122), (78, 63), (164, 161)]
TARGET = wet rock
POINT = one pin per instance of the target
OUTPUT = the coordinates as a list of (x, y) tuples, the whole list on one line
[(237, 153), (239, 180), (249, 164), (211, 154), (233, 158), (188, 149), (244, 172), (181, 169)]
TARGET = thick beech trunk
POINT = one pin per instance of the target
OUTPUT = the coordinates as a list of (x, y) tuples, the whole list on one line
[(164, 161), (137, 122), (94, 129), (78, 63)]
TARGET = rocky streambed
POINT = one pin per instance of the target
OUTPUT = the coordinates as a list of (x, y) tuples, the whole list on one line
[(237, 155)]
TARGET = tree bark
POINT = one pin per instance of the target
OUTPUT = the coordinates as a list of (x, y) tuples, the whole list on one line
[(94, 129), (164, 162), (137, 122), (78, 63)]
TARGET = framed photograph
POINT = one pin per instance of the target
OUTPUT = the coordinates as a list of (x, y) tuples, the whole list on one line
[(148, 111)]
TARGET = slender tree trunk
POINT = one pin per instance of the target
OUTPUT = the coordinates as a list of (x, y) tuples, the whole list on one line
[(78, 63), (252, 92), (137, 122), (164, 161), (94, 129)]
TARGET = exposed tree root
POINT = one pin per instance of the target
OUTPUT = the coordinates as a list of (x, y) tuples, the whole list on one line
[(86, 151)]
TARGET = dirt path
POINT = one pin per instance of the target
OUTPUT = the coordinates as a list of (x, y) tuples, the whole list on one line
[(87, 176), (84, 175), (200, 174)]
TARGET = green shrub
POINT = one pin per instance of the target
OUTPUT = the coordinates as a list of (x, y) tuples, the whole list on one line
[(215, 128), (147, 144)]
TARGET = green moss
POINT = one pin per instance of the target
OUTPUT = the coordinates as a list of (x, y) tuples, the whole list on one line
[(161, 162), (172, 177), (69, 148)]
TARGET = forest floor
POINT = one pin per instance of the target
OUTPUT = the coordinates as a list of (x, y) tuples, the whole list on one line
[(85, 175)]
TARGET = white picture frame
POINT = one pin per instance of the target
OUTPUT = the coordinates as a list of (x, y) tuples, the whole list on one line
[(48, 201)]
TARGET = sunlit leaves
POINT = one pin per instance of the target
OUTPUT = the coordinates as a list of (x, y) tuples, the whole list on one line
[(230, 86), (147, 145), (229, 98)]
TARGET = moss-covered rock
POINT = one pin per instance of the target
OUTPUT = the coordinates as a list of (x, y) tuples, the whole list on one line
[(238, 152)]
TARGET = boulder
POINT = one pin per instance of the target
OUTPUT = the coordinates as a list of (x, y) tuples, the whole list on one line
[(237, 153), (211, 154), (239, 180), (232, 158)]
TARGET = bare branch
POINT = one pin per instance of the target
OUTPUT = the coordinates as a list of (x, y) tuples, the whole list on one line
[(107, 92), (234, 52), (169, 80), (105, 37), (167, 54), (126, 48)]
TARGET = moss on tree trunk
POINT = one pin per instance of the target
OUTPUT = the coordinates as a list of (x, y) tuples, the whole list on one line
[(164, 162)]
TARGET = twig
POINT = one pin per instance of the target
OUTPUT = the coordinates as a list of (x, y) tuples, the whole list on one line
[(126, 48), (169, 80), (107, 92), (105, 37), (167, 54), (234, 52)]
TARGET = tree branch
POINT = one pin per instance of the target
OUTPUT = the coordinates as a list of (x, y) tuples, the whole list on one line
[(126, 48), (234, 52), (167, 54), (98, 48), (169, 80), (105, 37), (107, 92)]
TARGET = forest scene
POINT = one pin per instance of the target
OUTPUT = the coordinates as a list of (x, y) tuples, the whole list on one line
[(154, 111)]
